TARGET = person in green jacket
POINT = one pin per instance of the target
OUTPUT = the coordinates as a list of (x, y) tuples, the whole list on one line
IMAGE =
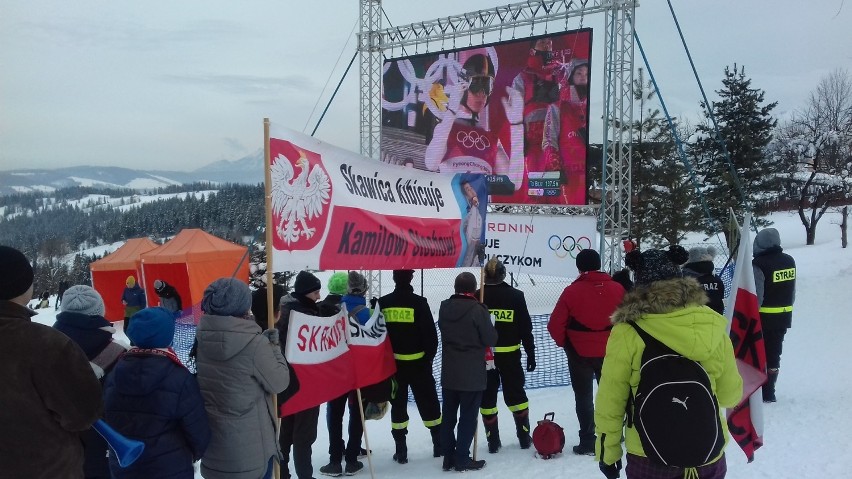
[(672, 310)]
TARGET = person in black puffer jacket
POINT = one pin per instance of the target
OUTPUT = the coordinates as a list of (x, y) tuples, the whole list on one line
[(82, 320), (700, 266), (151, 397)]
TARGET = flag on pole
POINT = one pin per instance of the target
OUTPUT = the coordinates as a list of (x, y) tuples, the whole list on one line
[(745, 421), (334, 355)]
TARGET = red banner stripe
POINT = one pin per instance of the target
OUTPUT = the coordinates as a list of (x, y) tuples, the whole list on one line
[(366, 240)]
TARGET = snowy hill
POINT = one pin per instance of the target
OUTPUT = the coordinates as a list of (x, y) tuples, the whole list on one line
[(248, 170)]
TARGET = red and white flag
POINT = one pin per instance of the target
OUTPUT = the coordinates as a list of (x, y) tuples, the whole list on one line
[(334, 355), (745, 421), (370, 350)]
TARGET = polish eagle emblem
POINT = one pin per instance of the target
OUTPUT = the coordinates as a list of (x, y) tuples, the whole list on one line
[(297, 198)]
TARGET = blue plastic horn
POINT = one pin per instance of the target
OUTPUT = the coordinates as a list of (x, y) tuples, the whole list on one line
[(127, 451)]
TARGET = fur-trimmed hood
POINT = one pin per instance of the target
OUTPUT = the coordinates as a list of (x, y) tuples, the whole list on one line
[(660, 297), (674, 311)]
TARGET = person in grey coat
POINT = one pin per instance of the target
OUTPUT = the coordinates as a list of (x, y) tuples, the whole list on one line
[(466, 334), (239, 368)]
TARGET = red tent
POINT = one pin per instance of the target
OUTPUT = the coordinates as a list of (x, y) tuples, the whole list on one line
[(190, 262), (109, 274)]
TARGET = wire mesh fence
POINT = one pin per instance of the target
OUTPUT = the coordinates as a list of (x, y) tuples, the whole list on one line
[(541, 293)]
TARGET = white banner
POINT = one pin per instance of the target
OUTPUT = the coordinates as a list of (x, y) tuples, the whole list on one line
[(539, 244), (334, 209)]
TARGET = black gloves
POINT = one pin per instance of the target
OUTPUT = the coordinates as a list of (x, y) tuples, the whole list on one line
[(530, 363), (373, 302), (611, 471)]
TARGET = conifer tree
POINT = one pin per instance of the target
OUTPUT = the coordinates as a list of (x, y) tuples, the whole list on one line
[(746, 125), (662, 191)]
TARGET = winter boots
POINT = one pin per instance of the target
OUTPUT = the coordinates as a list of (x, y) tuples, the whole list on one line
[(769, 387), (352, 468), (435, 431), (401, 454), (470, 465), (335, 469), (584, 450), (492, 432), (522, 424)]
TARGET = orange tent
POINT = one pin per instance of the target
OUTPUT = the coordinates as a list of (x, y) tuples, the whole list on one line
[(110, 273), (190, 262)]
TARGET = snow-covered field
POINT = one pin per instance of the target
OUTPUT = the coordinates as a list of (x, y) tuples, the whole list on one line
[(806, 431)]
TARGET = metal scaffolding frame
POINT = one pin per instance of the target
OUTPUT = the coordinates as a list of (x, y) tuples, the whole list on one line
[(616, 193), (484, 26), (370, 54)]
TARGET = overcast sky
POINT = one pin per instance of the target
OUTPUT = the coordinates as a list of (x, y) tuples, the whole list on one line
[(177, 85)]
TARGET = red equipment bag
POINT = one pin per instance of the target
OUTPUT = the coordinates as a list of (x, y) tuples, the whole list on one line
[(548, 437)]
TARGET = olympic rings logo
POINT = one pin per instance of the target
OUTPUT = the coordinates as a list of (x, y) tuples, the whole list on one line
[(568, 245), (473, 139)]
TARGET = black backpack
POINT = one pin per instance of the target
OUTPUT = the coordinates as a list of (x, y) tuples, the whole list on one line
[(674, 410)]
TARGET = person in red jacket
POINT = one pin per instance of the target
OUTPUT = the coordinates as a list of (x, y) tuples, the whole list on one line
[(580, 324)]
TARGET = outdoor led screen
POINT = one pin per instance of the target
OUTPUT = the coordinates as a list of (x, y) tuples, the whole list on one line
[(516, 111)]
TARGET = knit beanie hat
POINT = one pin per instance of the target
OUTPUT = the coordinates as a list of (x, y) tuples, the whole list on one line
[(130, 282), (159, 285), (465, 283), (17, 273), (701, 253), (82, 299), (588, 260), (403, 276), (656, 264), (152, 328), (226, 297), (495, 271), (306, 283), (357, 283), (338, 283)]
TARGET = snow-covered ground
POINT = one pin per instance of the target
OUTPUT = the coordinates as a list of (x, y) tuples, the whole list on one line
[(806, 431)]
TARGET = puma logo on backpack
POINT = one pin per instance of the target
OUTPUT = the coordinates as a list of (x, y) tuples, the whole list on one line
[(672, 432)]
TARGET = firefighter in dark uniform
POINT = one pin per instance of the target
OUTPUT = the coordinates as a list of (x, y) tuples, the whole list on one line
[(414, 340), (511, 318), (775, 280)]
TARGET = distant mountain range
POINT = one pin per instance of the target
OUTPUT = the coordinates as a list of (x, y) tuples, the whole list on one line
[(246, 170)]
